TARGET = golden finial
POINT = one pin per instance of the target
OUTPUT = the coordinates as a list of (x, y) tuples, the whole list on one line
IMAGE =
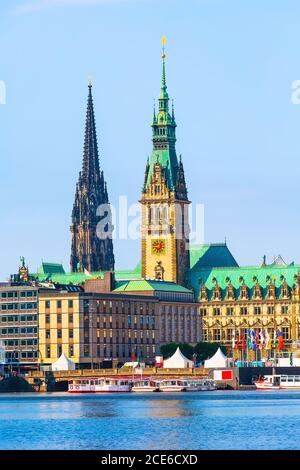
[(163, 41)]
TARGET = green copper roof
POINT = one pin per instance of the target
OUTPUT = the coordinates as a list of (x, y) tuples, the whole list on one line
[(210, 256), (248, 275), (78, 278), (146, 285), (51, 268)]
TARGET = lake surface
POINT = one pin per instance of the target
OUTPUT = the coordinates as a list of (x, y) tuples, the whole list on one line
[(204, 420)]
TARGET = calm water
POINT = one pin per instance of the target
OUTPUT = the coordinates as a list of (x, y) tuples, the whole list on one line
[(215, 420)]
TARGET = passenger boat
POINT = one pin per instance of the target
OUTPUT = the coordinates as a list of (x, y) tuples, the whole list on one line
[(145, 385), (104, 385), (172, 385), (201, 385), (278, 382)]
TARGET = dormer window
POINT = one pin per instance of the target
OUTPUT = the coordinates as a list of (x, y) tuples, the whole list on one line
[(216, 293), (271, 291), (230, 292), (244, 292), (257, 291), (203, 294), (284, 294)]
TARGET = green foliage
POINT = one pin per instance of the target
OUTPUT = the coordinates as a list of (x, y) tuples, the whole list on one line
[(203, 350), (167, 350)]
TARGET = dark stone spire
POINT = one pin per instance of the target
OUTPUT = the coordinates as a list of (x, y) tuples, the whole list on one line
[(181, 188), (91, 250)]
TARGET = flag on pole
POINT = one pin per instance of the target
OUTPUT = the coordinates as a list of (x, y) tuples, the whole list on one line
[(248, 339), (133, 357), (291, 359), (253, 340), (237, 341), (280, 341), (233, 339), (261, 339), (274, 339), (244, 345), (268, 340), (257, 339)]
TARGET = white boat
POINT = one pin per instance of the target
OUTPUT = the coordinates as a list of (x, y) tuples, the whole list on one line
[(145, 385), (200, 385), (104, 385), (172, 385), (278, 382)]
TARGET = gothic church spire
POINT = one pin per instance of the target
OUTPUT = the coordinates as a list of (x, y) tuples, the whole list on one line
[(89, 251)]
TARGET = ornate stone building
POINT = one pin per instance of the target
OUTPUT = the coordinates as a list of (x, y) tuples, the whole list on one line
[(165, 224), (263, 299), (92, 247)]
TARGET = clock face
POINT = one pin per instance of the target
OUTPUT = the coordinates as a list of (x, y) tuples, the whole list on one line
[(158, 246)]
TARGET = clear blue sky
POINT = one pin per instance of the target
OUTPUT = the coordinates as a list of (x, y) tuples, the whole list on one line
[(230, 65)]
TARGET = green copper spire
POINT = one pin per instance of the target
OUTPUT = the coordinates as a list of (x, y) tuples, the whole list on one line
[(163, 134), (164, 97)]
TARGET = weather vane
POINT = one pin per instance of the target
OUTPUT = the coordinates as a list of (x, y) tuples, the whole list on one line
[(90, 80), (163, 41)]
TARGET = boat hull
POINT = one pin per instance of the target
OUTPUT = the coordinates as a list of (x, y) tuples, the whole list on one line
[(261, 386), (144, 389), (172, 389)]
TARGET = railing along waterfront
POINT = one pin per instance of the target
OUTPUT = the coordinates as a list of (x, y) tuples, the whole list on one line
[(119, 372)]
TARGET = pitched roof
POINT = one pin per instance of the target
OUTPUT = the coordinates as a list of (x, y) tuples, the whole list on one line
[(51, 268), (211, 255), (148, 285)]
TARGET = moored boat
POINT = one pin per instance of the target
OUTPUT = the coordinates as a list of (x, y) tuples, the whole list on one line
[(200, 385), (172, 385), (278, 382), (104, 385), (145, 385)]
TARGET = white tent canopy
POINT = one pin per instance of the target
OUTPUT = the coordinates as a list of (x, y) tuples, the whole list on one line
[(177, 361), (217, 360), (63, 363)]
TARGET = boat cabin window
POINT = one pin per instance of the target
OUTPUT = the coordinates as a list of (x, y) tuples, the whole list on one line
[(276, 380), (297, 378), (290, 379)]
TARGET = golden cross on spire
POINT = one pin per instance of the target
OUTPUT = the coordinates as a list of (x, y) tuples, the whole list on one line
[(163, 41)]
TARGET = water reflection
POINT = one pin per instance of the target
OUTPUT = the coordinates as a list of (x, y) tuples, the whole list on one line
[(168, 409), (155, 421)]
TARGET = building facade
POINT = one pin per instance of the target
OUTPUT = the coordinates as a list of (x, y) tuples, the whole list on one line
[(92, 246), (19, 324), (92, 329), (264, 300)]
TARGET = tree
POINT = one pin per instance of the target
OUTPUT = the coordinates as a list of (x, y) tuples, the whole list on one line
[(167, 350), (203, 350)]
